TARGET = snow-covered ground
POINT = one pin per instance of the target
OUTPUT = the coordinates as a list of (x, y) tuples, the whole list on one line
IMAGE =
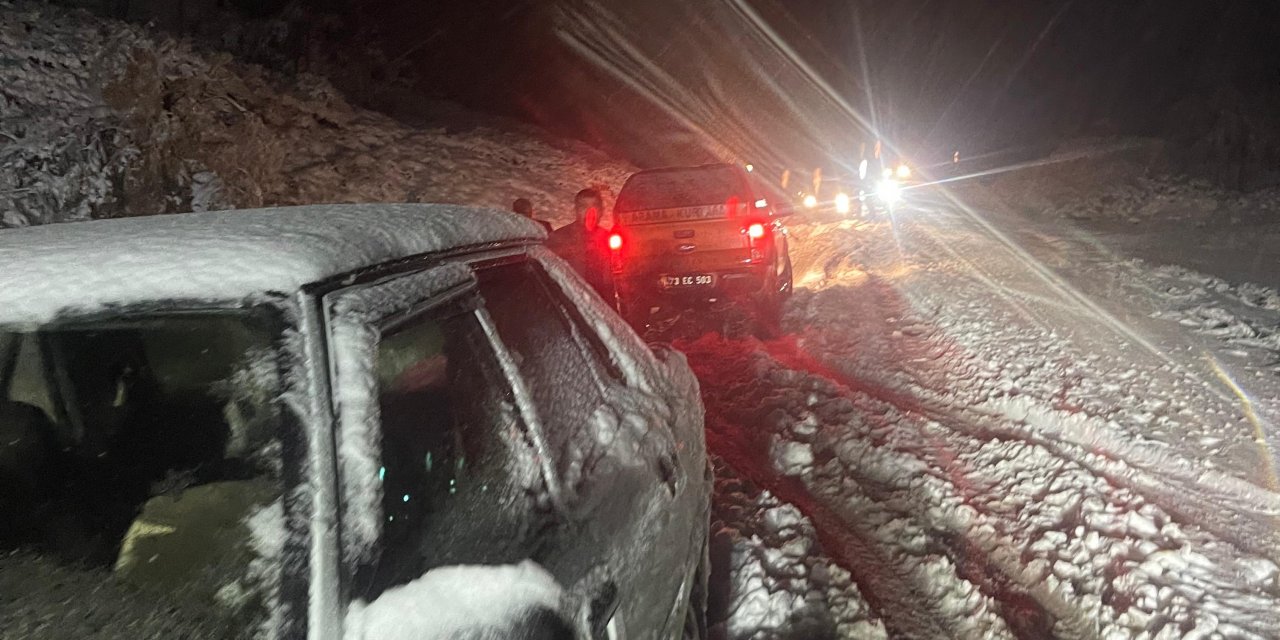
[(1001, 428)]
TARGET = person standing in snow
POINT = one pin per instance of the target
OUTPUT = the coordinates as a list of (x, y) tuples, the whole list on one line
[(523, 207), (582, 243)]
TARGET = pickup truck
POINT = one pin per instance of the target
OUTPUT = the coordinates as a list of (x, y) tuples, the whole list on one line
[(685, 235)]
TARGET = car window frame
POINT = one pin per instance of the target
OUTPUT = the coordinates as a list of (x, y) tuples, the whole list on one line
[(604, 365), (8, 365), (331, 322), (633, 356), (452, 304), (426, 303)]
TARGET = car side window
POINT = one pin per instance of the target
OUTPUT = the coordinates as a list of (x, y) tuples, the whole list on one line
[(453, 488), (596, 349), (161, 509), (551, 351)]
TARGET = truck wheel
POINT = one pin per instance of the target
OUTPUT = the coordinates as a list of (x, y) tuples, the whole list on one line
[(787, 284)]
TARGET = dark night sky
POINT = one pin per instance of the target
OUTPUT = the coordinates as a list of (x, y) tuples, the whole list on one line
[(664, 80), (980, 74)]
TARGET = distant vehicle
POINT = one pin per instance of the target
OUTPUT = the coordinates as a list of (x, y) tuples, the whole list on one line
[(886, 192), (863, 194), (839, 195), (870, 190), (293, 423), (690, 234)]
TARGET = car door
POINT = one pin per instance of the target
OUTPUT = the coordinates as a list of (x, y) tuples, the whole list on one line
[(635, 519), (436, 464)]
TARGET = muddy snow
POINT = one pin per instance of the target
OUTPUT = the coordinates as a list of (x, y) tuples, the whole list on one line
[(1002, 429)]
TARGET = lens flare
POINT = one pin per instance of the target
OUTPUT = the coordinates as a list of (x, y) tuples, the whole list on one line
[(842, 203), (890, 191)]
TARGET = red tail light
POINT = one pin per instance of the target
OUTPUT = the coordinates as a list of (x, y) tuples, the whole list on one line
[(754, 233), (615, 252)]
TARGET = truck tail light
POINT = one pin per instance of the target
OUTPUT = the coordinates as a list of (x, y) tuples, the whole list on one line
[(755, 233), (615, 252)]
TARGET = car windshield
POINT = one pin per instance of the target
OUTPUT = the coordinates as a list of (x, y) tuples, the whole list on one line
[(670, 189), (139, 475)]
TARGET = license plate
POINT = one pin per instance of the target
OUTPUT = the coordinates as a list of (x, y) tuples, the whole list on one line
[(695, 280)]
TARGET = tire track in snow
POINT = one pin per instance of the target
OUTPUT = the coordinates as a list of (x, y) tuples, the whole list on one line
[(1193, 495), (770, 578), (1027, 616), (1011, 458), (1143, 496), (881, 575), (1036, 579)]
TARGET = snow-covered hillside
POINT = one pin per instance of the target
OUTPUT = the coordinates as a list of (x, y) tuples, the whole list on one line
[(103, 119)]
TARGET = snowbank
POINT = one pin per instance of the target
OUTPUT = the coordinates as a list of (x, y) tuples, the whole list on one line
[(62, 148), (1122, 180)]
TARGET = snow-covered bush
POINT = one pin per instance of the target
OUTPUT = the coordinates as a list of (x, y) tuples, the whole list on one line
[(62, 149)]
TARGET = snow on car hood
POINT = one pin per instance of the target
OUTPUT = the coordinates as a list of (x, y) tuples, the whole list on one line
[(224, 256)]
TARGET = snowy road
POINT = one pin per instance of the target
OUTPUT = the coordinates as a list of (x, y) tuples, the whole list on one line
[(980, 427)]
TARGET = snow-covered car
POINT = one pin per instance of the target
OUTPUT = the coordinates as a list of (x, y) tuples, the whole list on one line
[(353, 421)]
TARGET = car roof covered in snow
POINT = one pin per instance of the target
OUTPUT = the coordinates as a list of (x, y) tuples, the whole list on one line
[(225, 255)]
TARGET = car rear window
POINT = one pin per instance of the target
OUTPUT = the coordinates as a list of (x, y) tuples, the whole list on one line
[(676, 188)]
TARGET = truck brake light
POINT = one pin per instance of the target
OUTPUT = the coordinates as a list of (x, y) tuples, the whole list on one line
[(615, 252), (755, 233)]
